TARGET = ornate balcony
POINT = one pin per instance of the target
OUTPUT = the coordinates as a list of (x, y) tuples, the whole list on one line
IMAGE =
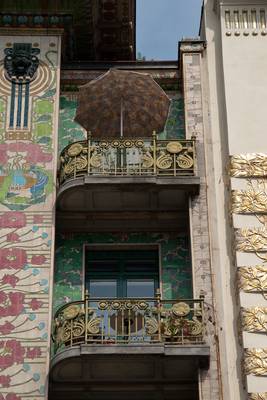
[(128, 347), (127, 157), (108, 178), (129, 321)]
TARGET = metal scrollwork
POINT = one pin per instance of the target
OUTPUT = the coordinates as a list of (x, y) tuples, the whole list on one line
[(93, 325), (127, 157), (147, 160), (151, 325), (255, 362), (71, 312), (185, 161), (129, 321), (164, 161)]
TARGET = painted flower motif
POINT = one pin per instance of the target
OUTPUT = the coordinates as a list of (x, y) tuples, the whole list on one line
[(11, 352), (12, 237), (12, 304), (38, 219), (13, 258), (5, 380), (13, 219), (10, 280), (35, 304), (38, 260), (12, 396), (6, 328), (35, 352)]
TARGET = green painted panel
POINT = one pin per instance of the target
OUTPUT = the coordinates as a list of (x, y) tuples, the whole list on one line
[(175, 262)]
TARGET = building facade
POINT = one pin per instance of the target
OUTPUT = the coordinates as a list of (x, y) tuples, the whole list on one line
[(132, 266)]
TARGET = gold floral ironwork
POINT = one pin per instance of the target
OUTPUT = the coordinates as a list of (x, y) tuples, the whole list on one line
[(248, 165), (254, 319), (253, 279), (117, 157), (255, 362), (129, 321), (252, 200)]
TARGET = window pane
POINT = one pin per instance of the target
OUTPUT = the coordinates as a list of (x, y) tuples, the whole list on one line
[(103, 288), (140, 288)]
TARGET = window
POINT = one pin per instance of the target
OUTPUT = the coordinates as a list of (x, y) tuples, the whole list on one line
[(122, 273)]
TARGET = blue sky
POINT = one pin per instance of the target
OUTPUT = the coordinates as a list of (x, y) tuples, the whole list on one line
[(162, 23)]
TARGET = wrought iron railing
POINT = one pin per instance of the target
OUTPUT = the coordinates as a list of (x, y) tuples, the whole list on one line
[(129, 321), (127, 157)]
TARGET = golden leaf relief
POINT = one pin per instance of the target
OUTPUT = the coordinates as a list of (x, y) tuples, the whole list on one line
[(250, 201), (255, 362), (254, 319), (257, 396), (253, 279), (248, 165), (251, 240)]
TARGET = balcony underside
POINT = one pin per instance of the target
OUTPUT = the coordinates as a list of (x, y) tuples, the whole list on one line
[(143, 372), (145, 203)]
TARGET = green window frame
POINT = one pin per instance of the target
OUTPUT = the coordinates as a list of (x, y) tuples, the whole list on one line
[(134, 270)]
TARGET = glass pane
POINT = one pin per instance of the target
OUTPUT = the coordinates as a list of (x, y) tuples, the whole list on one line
[(103, 288), (140, 288)]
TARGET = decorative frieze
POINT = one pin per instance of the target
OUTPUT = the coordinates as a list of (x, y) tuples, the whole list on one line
[(254, 319), (257, 396), (251, 240), (248, 165), (245, 21), (255, 362), (253, 279), (252, 200)]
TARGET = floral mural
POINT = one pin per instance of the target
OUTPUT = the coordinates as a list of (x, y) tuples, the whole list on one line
[(27, 195)]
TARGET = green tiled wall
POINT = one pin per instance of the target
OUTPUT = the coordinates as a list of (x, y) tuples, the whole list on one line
[(70, 131), (175, 262)]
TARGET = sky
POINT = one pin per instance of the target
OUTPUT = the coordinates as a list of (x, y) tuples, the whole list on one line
[(162, 23)]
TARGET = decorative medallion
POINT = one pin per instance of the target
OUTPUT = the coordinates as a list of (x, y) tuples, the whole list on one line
[(174, 147), (180, 309), (75, 149)]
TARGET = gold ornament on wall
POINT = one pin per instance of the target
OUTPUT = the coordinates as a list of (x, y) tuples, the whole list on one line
[(257, 396), (251, 240), (254, 319), (255, 362), (250, 201), (248, 165), (253, 279)]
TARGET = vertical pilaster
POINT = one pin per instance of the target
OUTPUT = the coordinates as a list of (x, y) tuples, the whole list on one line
[(190, 57), (29, 90)]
